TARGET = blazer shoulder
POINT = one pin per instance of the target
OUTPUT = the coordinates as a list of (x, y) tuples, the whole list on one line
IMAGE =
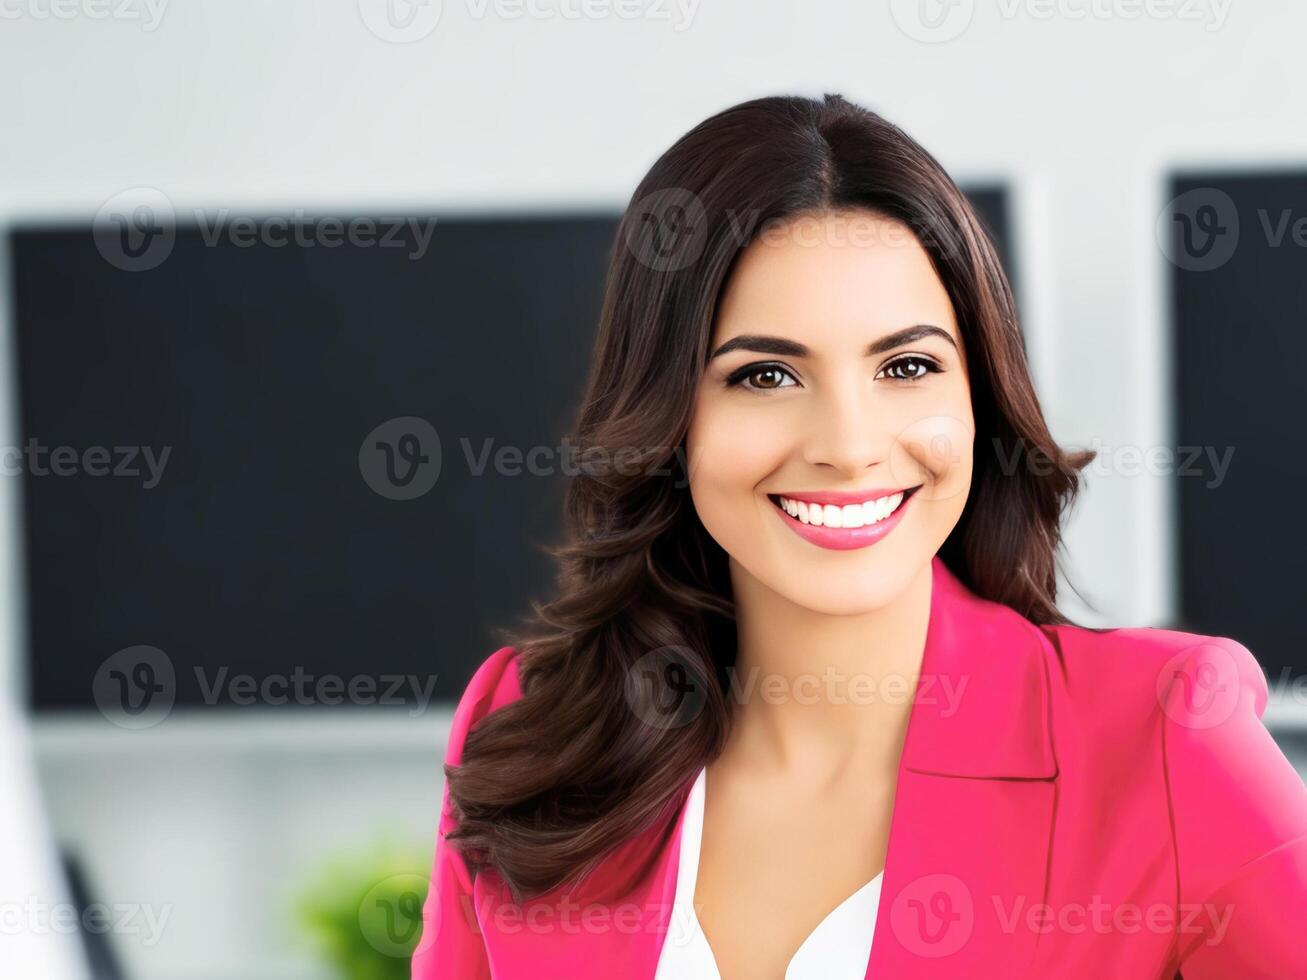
[(1238, 812), (452, 943), (1233, 798), (1152, 661), (494, 684)]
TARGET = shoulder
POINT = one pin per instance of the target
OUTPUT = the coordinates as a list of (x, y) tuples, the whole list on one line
[(1232, 795), (494, 684), (1162, 668), (1196, 693), (452, 942), (1118, 697)]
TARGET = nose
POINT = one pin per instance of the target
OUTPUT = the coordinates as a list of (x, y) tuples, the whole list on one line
[(845, 433)]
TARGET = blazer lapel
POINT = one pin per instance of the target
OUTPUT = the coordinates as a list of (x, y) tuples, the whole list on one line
[(970, 833)]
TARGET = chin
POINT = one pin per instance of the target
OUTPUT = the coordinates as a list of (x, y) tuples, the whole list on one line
[(835, 592)]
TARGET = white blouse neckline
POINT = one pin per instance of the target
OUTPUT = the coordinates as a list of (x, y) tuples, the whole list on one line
[(839, 948)]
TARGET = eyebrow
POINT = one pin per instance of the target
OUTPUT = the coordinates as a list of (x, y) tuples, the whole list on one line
[(792, 348)]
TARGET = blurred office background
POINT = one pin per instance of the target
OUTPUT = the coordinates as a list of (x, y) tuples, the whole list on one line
[(211, 424)]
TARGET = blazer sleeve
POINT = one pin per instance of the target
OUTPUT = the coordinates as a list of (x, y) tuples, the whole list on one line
[(1239, 814), (451, 945)]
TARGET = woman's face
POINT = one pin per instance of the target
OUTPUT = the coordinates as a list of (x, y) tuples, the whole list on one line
[(837, 376)]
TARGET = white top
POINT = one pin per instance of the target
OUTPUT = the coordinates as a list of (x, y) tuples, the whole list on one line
[(838, 949)]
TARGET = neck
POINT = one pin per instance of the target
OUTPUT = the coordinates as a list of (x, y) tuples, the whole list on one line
[(817, 695)]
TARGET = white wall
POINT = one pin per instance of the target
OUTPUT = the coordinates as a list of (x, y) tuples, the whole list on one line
[(243, 103)]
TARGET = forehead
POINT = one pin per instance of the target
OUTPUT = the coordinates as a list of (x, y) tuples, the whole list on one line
[(833, 277)]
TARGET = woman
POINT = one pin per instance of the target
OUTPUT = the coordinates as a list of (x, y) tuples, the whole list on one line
[(805, 705)]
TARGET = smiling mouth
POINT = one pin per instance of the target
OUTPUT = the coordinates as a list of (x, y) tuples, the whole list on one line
[(862, 514)]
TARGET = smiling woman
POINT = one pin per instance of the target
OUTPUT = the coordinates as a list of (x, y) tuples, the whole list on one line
[(861, 417), (720, 751)]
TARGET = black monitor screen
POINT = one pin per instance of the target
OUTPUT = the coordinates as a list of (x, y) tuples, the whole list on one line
[(1238, 250), (258, 467), (294, 462)]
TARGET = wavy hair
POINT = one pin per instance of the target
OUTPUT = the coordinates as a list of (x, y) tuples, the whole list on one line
[(553, 781)]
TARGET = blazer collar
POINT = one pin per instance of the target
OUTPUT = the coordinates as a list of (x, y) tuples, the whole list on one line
[(982, 703)]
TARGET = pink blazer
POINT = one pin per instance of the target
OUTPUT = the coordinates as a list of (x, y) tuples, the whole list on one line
[(1083, 804)]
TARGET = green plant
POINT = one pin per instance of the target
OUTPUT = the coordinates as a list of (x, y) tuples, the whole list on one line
[(364, 912)]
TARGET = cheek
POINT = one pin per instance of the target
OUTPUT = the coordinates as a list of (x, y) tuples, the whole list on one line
[(728, 455), (940, 448)]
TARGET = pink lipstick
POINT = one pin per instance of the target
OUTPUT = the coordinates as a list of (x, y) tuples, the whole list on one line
[(843, 520)]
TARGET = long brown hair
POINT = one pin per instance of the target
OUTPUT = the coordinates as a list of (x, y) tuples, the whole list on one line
[(550, 783)]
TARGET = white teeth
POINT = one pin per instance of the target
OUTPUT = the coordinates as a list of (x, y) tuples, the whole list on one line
[(850, 515)]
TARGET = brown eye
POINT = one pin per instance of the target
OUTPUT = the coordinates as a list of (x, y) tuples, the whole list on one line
[(911, 368), (761, 377)]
